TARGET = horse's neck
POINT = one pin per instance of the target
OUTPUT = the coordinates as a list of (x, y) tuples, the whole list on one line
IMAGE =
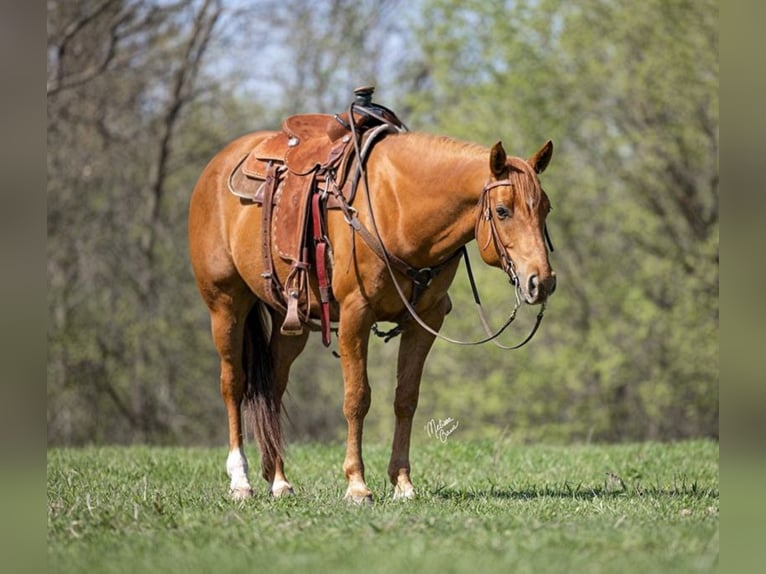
[(436, 183)]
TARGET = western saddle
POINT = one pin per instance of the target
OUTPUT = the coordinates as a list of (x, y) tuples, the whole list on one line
[(295, 176)]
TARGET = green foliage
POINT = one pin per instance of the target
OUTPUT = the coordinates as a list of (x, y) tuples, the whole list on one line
[(492, 506)]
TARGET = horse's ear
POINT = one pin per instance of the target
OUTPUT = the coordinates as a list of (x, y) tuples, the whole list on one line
[(542, 158), (497, 159)]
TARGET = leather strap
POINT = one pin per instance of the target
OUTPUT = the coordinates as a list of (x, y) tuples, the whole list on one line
[(269, 277), (320, 253)]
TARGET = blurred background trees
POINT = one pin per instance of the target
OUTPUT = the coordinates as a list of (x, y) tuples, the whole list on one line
[(142, 93)]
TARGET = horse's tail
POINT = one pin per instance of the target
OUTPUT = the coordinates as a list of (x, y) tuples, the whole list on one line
[(260, 392)]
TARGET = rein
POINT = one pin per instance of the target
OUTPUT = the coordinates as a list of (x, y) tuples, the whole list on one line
[(491, 337), (423, 277)]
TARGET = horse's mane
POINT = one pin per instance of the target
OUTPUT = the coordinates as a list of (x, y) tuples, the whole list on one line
[(440, 147)]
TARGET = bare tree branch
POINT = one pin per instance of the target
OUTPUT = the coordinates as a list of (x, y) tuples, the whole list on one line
[(182, 91), (61, 82)]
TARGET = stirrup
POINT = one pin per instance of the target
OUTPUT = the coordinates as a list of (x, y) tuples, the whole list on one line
[(292, 325)]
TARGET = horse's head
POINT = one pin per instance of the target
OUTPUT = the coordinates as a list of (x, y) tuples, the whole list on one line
[(510, 229)]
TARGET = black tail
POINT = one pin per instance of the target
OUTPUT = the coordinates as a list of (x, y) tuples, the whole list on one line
[(260, 399)]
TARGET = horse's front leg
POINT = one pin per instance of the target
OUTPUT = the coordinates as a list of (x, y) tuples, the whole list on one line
[(353, 339), (413, 350)]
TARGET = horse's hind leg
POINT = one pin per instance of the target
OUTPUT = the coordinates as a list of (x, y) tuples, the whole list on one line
[(284, 350), (228, 314), (413, 350)]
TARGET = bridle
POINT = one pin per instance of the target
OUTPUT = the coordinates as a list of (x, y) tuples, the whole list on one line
[(486, 214)]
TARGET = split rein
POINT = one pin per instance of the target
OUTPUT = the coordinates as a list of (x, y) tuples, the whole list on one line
[(422, 277)]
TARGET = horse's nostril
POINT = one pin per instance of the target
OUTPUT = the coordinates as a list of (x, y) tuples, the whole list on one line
[(552, 284), (532, 285)]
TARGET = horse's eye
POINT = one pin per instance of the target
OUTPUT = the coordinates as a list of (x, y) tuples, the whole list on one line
[(502, 211)]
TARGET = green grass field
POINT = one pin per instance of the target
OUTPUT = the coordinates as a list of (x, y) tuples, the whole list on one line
[(481, 507)]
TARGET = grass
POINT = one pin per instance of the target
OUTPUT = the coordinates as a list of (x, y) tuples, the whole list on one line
[(481, 507)]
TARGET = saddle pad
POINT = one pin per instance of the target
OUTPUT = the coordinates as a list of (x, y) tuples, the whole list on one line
[(247, 186)]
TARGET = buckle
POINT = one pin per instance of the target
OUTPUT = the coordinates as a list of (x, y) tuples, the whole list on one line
[(349, 214), (423, 277)]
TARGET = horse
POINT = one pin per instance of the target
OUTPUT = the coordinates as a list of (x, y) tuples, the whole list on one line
[(427, 197)]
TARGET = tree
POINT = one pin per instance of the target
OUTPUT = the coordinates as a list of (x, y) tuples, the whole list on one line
[(121, 74)]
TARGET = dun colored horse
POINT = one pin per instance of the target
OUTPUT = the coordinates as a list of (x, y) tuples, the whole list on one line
[(425, 198)]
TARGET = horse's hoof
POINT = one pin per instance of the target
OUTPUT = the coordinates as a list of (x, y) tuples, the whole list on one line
[(281, 488), (358, 497), (404, 493), (241, 493)]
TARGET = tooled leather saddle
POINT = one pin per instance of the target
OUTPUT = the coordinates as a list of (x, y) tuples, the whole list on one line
[(295, 176)]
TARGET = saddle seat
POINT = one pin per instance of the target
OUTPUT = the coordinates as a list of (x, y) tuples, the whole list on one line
[(302, 146)]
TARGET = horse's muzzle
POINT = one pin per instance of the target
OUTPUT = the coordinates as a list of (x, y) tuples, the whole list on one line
[(538, 291)]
